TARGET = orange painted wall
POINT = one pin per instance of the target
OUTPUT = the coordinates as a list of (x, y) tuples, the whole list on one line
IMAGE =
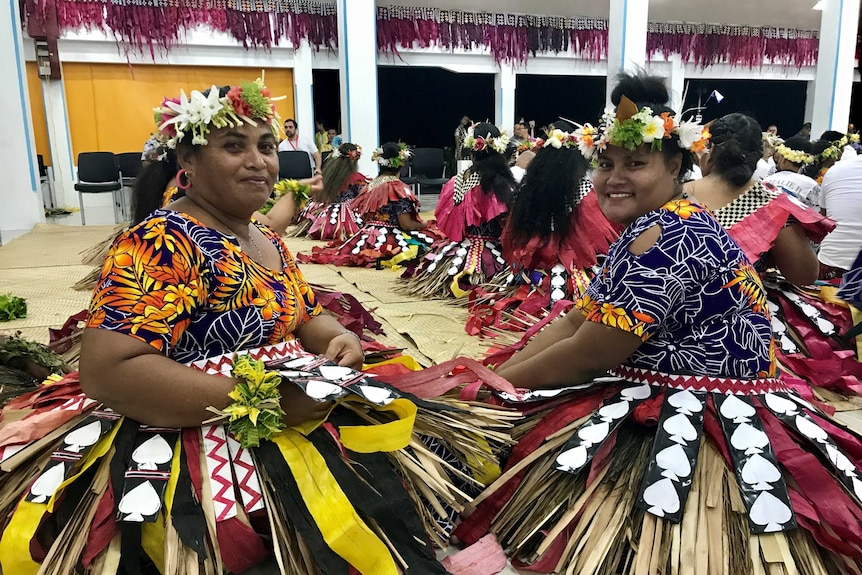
[(37, 112), (110, 105)]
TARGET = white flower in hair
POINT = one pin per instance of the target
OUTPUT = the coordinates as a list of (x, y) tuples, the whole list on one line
[(335, 153), (653, 129), (501, 143), (555, 140), (689, 132)]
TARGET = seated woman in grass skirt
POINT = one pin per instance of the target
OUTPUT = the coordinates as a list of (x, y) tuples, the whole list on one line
[(204, 435), (393, 232), (328, 215), (693, 455), (776, 232), (471, 213), (552, 239)]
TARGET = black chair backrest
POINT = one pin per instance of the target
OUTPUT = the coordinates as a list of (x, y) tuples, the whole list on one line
[(428, 162), (130, 164), (324, 155), (43, 170), (98, 167), (295, 165)]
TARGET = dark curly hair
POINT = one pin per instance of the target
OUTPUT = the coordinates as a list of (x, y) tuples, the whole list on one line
[(816, 149), (736, 146), (650, 91), (492, 167), (336, 171), (547, 195)]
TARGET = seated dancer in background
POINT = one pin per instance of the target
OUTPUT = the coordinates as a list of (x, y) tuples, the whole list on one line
[(776, 231), (551, 241), (471, 212), (694, 448), (328, 216), (393, 232), (180, 295), (794, 155)]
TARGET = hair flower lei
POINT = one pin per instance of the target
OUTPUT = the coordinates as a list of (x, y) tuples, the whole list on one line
[(629, 128), (396, 162), (795, 156), (256, 412), (482, 143), (246, 103), (354, 155)]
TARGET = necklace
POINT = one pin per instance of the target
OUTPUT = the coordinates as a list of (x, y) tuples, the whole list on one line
[(240, 240)]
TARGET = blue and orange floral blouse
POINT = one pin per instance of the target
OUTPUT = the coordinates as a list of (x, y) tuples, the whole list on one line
[(693, 298), (191, 292)]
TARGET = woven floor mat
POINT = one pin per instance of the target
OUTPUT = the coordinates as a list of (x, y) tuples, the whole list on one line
[(50, 297), (51, 245)]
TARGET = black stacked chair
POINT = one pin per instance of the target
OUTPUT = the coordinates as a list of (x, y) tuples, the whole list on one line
[(98, 173), (294, 165), (426, 164), (130, 164)]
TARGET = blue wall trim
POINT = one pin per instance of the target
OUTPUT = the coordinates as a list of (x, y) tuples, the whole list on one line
[(345, 121), (22, 83), (835, 69), (72, 163), (625, 35)]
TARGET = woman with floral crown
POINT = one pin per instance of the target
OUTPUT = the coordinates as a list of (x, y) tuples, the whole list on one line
[(393, 232), (177, 449), (328, 216), (553, 237), (776, 231), (471, 212), (692, 455)]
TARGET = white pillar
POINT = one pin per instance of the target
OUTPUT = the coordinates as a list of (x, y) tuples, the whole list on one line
[(834, 77), (504, 97), (627, 34), (676, 83), (303, 99), (357, 58), (20, 194), (810, 90), (60, 142)]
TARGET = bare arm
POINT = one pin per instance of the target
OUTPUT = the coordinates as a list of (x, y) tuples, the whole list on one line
[(591, 351), (323, 335), (410, 222), (317, 161), (558, 330), (134, 379), (794, 257)]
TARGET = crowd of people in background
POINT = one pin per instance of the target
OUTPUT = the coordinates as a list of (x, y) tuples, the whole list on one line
[(671, 340)]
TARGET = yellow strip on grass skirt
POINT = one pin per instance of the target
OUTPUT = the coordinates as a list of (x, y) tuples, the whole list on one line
[(342, 528)]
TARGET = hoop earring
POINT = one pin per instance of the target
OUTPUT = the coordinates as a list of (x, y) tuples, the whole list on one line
[(179, 177)]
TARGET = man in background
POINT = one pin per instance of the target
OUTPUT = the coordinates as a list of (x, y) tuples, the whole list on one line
[(296, 143)]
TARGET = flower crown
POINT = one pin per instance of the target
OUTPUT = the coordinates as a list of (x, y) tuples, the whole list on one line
[(246, 103), (480, 144), (396, 162), (354, 155), (628, 127), (795, 156), (837, 147)]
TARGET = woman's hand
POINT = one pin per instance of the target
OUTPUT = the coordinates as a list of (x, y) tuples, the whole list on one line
[(298, 407), (345, 349)]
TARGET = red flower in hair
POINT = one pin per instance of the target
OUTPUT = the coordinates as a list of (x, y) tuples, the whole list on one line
[(240, 106), (480, 144)]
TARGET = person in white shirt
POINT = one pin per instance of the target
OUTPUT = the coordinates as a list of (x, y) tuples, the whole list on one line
[(792, 155), (841, 199), (296, 143)]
